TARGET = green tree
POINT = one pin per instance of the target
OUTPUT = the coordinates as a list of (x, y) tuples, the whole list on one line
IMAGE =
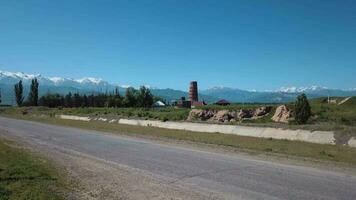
[(68, 101), (110, 101), (144, 98), (130, 97), (19, 93), (33, 96), (91, 100), (117, 93), (51, 100), (85, 102), (0, 96), (77, 100), (302, 109)]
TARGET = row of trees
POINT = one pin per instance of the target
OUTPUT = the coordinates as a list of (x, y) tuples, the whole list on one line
[(32, 97), (133, 98)]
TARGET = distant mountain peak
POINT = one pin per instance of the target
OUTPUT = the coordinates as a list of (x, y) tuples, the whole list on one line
[(351, 89), (125, 86), (218, 88), (90, 80), (57, 79), (294, 89), (19, 75), (16, 76)]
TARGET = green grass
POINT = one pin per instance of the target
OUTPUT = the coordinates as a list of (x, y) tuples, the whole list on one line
[(325, 116), (336, 153), (344, 114), (163, 114), (26, 177)]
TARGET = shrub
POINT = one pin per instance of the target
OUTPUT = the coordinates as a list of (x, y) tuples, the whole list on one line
[(164, 118), (302, 109)]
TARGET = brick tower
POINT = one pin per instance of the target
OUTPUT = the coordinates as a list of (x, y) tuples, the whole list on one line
[(193, 91)]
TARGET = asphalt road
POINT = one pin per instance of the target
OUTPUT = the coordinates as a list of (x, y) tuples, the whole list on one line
[(234, 177)]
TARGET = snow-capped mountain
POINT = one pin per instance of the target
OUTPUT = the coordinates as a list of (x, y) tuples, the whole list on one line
[(351, 89), (10, 78), (90, 85), (238, 95), (284, 94), (50, 85), (18, 75), (301, 89)]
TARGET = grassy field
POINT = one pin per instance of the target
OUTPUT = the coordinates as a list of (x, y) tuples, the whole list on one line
[(326, 117), (163, 114), (323, 112), (26, 177), (336, 153)]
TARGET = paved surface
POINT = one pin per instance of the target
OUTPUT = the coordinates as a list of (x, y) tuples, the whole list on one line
[(233, 177)]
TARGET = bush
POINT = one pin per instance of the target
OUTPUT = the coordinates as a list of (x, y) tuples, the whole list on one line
[(164, 118), (302, 109)]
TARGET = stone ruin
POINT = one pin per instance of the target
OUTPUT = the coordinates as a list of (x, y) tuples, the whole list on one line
[(228, 116)]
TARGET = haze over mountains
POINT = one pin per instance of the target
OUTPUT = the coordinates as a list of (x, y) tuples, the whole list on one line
[(93, 85)]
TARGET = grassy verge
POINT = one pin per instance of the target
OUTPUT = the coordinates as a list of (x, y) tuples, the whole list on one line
[(24, 176), (336, 153)]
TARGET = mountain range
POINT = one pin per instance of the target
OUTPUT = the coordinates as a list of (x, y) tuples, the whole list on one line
[(94, 85)]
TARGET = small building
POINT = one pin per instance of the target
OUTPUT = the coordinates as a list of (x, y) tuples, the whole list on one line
[(159, 104), (198, 103), (222, 102), (182, 103)]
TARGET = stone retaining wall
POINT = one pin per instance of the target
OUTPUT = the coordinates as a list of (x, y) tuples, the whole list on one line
[(73, 117), (352, 142), (321, 137)]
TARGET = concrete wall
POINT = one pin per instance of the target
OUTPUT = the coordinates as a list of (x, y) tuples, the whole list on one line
[(352, 142), (72, 117), (321, 137)]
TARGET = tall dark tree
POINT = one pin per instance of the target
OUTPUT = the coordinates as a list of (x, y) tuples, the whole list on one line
[(68, 101), (0, 96), (144, 97), (33, 96), (85, 102), (19, 93), (91, 100), (51, 100), (130, 97), (117, 93), (302, 109), (77, 100)]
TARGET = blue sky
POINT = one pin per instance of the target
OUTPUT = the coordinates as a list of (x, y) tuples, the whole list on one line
[(262, 44)]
